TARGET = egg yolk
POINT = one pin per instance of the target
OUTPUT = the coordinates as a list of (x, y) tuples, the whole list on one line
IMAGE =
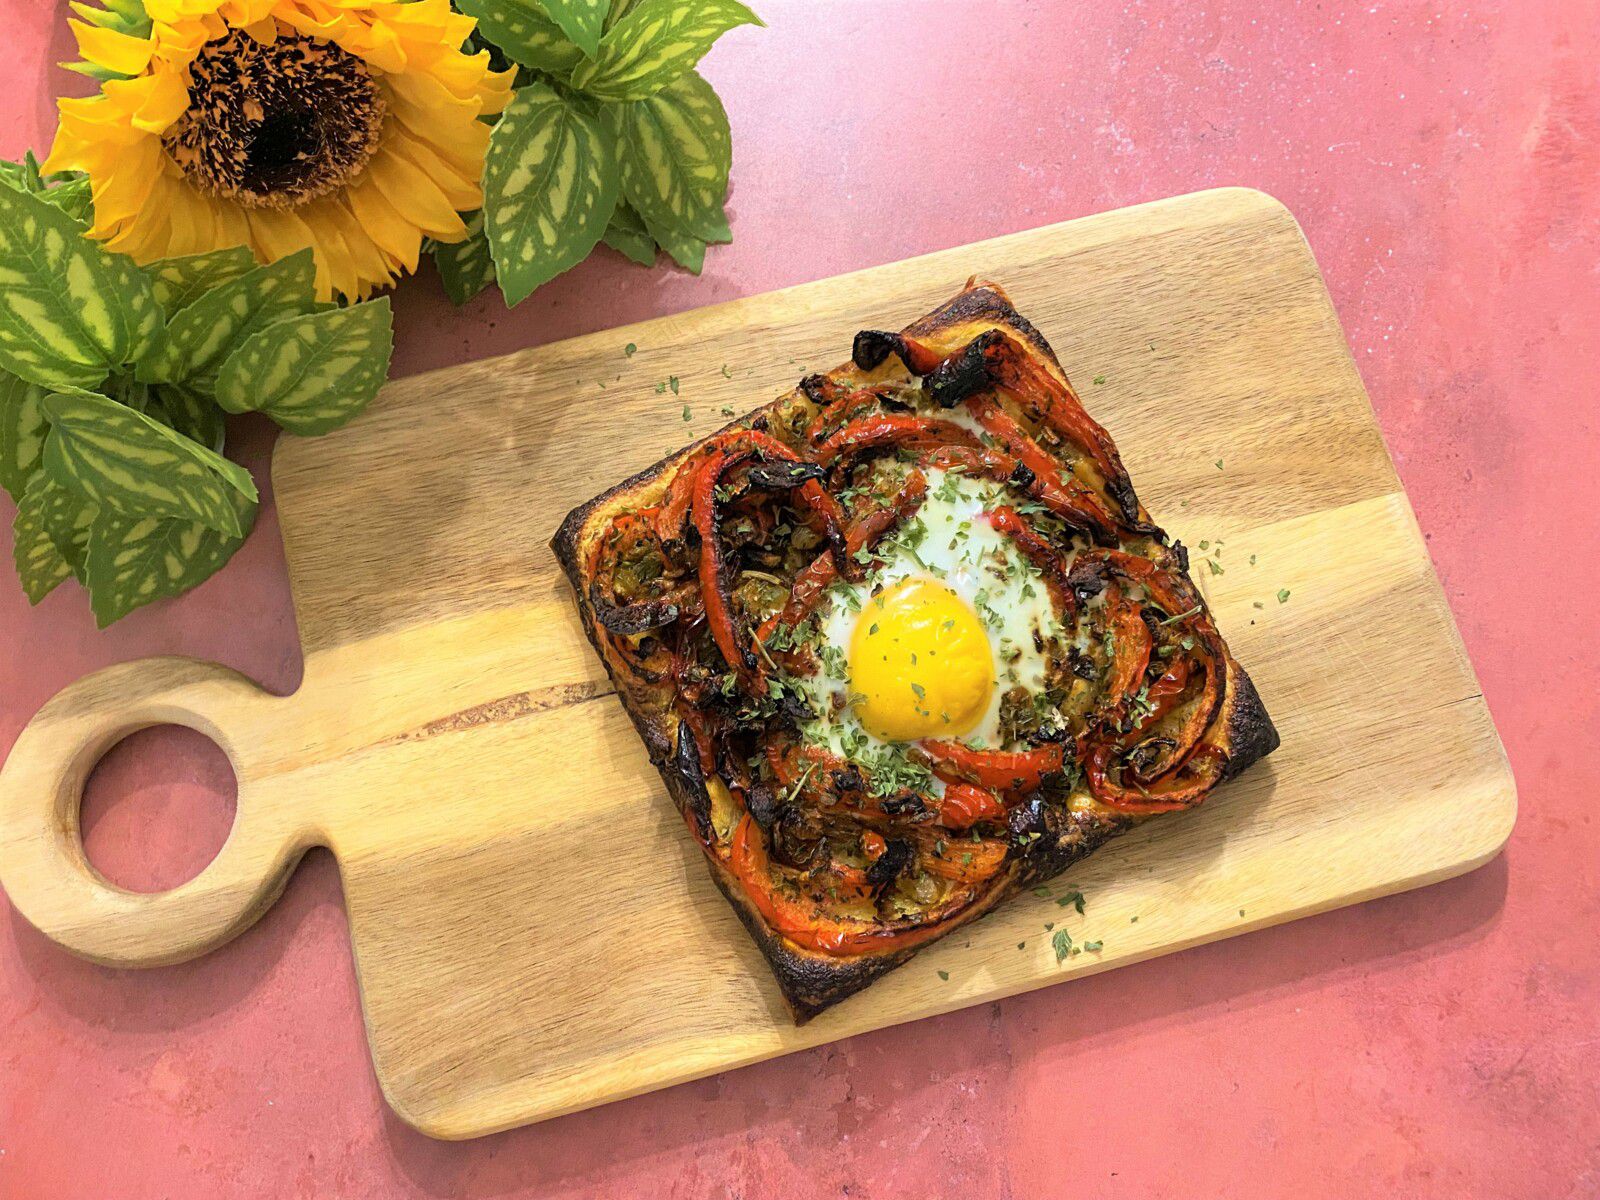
[(920, 663)]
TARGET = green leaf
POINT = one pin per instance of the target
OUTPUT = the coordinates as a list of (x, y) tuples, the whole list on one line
[(202, 335), (465, 267), (688, 251), (64, 516), (550, 185), (135, 560), (655, 43), (69, 311), (39, 564), (627, 235), (123, 460), (522, 30), (22, 432), (674, 151), (191, 413), (179, 282), (311, 374), (581, 20)]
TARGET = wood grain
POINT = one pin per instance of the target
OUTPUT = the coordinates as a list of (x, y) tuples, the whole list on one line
[(534, 932)]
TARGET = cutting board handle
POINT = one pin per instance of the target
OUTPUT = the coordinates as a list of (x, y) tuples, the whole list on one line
[(42, 864)]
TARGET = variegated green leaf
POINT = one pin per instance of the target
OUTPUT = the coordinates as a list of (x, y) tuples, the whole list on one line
[(626, 234), (311, 374), (581, 20), (619, 9), (179, 282), (22, 431), (191, 413), (39, 564), (202, 335), (550, 185), (655, 43), (688, 251), (69, 311), (525, 33), (465, 267), (673, 153), (126, 461), (135, 560), (64, 515)]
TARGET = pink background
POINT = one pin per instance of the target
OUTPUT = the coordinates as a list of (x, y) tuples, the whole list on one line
[(1444, 159)]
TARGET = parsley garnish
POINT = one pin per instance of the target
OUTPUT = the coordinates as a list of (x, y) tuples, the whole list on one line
[(1092, 947), (1062, 943), (1283, 595), (630, 349), (672, 382)]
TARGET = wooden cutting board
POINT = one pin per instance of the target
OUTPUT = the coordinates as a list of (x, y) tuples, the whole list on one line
[(534, 931)]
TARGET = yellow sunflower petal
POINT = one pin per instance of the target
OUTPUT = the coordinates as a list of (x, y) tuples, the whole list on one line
[(414, 196), (391, 232), (462, 192), (122, 193), (119, 52)]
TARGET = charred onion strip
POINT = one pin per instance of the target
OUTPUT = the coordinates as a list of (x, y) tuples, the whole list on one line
[(999, 770), (805, 924)]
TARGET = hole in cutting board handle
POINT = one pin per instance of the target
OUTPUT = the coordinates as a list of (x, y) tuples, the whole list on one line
[(157, 808)]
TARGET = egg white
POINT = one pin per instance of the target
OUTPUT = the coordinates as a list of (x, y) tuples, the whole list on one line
[(961, 550)]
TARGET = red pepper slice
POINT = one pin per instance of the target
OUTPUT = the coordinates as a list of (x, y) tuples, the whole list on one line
[(894, 429), (1040, 553), (1063, 495), (819, 575), (998, 770), (964, 806), (804, 923), (838, 410), (736, 649), (1129, 661), (1205, 766)]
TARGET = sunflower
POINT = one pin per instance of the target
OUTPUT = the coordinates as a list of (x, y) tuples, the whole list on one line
[(349, 126)]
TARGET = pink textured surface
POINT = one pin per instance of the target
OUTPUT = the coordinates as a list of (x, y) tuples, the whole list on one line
[(1444, 160)]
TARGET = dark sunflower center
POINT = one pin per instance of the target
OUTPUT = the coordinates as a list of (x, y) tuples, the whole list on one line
[(276, 126)]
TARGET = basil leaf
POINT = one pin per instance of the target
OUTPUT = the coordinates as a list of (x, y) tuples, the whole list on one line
[(581, 20), (22, 432), (465, 267), (202, 334), (674, 151), (191, 413), (655, 43), (134, 560), (64, 516), (69, 311), (123, 460), (313, 373), (626, 234), (39, 564), (179, 282), (550, 185), (525, 33)]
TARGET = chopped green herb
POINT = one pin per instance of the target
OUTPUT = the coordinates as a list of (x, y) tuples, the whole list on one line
[(1092, 947), (1219, 464), (1099, 380), (630, 349), (1283, 595), (726, 374), (1062, 943), (672, 382), (1216, 567), (1133, 920), (686, 413), (1205, 545), (660, 386), (1074, 897), (1252, 560), (1022, 943), (727, 410)]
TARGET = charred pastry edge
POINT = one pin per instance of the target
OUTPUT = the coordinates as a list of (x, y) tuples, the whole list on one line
[(811, 982)]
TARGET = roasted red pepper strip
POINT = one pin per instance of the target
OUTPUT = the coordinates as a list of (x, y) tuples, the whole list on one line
[(1040, 553), (837, 411), (736, 649), (819, 575), (1130, 658), (893, 429), (1161, 697), (1064, 496), (1173, 593), (1167, 796), (825, 514), (803, 923), (998, 770), (964, 805)]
